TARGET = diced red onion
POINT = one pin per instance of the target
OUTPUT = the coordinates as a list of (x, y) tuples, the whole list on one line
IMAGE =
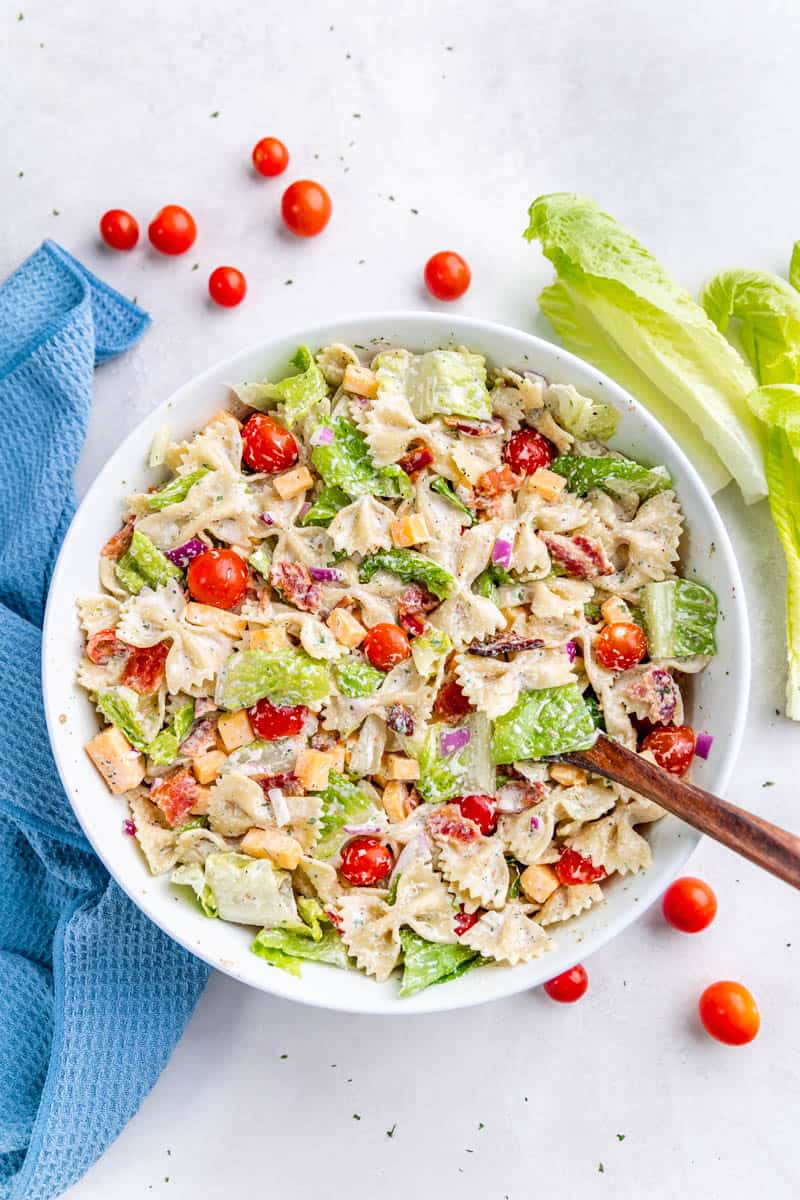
[(183, 555), (571, 650), (535, 823), (280, 808), (501, 552), (322, 436), (453, 740), (267, 518), (304, 508), (326, 574), (703, 744), (366, 828), (128, 827)]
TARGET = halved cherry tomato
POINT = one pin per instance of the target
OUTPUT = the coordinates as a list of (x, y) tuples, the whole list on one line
[(447, 275), (144, 668), (270, 157), (568, 987), (671, 747), (101, 647), (227, 286), (267, 446), (572, 868), (271, 721), (464, 920), (481, 810), (172, 230), (306, 208), (689, 904), (620, 645), (385, 646), (217, 577), (527, 450), (366, 861), (729, 1013), (176, 795), (119, 229)]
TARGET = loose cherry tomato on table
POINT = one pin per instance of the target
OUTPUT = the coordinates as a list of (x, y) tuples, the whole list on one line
[(172, 230), (267, 446), (447, 275), (385, 646), (671, 747), (119, 229), (527, 451), (366, 861), (568, 987), (620, 645), (306, 208), (271, 721), (227, 286), (689, 904), (270, 157), (729, 1013), (217, 577), (481, 810), (572, 868)]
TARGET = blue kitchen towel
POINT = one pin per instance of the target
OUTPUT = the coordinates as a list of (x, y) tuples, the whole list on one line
[(93, 997)]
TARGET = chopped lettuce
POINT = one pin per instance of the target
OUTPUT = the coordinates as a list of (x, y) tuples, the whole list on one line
[(250, 891), (346, 463), (765, 311), (439, 778), (325, 507), (165, 746), (445, 488), (143, 565), (296, 394), (582, 416), (426, 963), (356, 677), (551, 720), (490, 580), (343, 803), (285, 949), (617, 476), (176, 490), (411, 567), (193, 875), (449, 382), (261, 560), (680, 618), (138, 717), (429, 649), (286, 676), (635, 320), (479, 773)]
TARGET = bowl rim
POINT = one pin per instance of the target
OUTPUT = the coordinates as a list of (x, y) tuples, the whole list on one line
[(505, 983)]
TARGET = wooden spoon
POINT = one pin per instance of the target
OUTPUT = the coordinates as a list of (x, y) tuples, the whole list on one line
[(763, 843)]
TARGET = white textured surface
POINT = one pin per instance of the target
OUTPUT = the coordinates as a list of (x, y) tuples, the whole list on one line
[(681, 120)]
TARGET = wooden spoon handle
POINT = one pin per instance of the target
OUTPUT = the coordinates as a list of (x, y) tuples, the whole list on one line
[(763, 843)]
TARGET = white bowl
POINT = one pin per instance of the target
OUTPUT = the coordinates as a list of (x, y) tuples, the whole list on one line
[(718, 703)]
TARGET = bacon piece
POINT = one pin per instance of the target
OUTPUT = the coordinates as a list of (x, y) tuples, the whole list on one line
[(176, 795), (287, 782), (412, 605), (200, 740), (499, 480), (119, 542), (447, 822), (416, 460), (504, 645), (582, 557), (451, 704), (102, 646), (476, 429), (144, 669), (658, 690), (514, 797), (293, 581), (203, 706), (400, 720)]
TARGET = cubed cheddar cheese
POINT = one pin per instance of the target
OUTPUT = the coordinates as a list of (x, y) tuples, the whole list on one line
[(615, 609), (410, 531), (209, 617), (207, 766), (292, 483), (568, 776), (548, 484), (235, 730), (345, 628), (400, 766), (121, 766), (273, 637), (395, 800), (538, 882), (314, 766), (280, 848), (360, 381)]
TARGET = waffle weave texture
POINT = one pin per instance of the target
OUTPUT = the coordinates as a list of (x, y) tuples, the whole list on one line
[(93, 997)]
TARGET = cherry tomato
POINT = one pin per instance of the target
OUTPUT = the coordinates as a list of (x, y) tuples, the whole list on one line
[(568, 987), (464, 920), (729, 1013), (306, 208), (267, 446), (119, 229), (227, 286), (481, 810), (217, 577), (572, 868), (172, 230), (270, 157), (271, 721), (366, 861), (447, 275), (671, 747), (527, 450), (689, 905), (144, 668), (620, 645), (385, 646)]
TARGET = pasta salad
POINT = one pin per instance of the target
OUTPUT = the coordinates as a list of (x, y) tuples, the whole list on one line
[(334, 651)]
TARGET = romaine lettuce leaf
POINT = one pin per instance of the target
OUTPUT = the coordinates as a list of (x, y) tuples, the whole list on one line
[(426, 963), (680, 618), (439, 778), (343, 803), (650, 322), (355, 677), (143, 565), (617, 476), (794, 266), (296, 394), (765, 311), (445, 488), (346, 463), (287, 676), (449, 382), (250, 891), (176, 490), (548, 721), (164, 747), (581, 415), (411, 567), (285, 949), (325, 507)]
